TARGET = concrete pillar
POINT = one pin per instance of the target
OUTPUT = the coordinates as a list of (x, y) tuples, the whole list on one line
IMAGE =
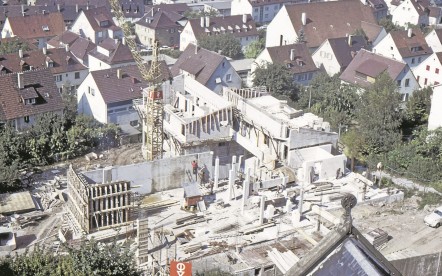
[(245, 195), (239, 163), (288, 205), (284, 181), (216, 176), (248, 175), (234, 164), (102, 220), (301, 200), (261, 210), (231, 183)]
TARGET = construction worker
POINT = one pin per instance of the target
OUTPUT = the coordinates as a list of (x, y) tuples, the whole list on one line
[(195, 168), (202, 174)]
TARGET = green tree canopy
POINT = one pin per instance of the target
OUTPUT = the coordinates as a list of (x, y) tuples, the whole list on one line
[(13, 45), (226, 44), (417, 110), (257, 46), (389, 25), (278, 79), (190, 14), (379, 115)]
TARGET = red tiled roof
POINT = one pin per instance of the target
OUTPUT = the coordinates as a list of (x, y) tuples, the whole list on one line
[(415, 45), (129, 87), (62, 61), (161, 19), (33, 26), (119, 53), (204, 62), (302, 61), (344, 52), (66, 38), (372, 65), (329, 19), (81, 47), (40, 82), (228, 23), (94, 16)]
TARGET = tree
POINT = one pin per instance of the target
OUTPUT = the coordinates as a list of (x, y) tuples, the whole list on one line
[(389, 25), (417, 110), (301, 36), (330, 99), (278, 79), (69, 98), (354, 146), (225, 44), (257, 46), (13, 45), (190, 14), (379, 116)]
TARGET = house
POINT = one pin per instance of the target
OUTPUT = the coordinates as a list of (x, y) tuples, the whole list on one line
[(367, 66), (97, 25), (335, 54), (244, 69), (40, 27), (413, 12), (373, 33), (262, 11), (107, 95), (296, 57), (223, 8), (434, 40), (242, 27), (208, 68), (164, 26), (435, 17), (435, 117), (25, 96), (81, 48), (380, 8), (133, 10), (110, 53), (409, 46), (429, 72), (60, 41), (67, 71), (316, 22), (179, 8)]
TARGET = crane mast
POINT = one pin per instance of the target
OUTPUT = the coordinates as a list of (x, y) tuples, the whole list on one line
[(152, 115)]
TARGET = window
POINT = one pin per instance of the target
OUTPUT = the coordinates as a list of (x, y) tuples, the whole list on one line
[(399, 83), (407, 82), (100, 34), (436, 70), (58, 78), (436, 83), (266, 16), (425, 82), (405, 97), (267, 8), (229, 77), (419, 59), (77, 75), (391, 48), (412, 61), (256, 9), (91, 91), (26, 119), (428, 67)]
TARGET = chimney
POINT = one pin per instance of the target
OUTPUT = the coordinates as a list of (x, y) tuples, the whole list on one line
[(123, 40), (292, 54), (119, 74), (202, 22), (23, 10), (66, 47), (76, 8), (58, 7), (410, 32), (20, 81), (207, 21), (244, 18), (350, 40), (20, 53), (304, 18), (152, 12), (45, 50)]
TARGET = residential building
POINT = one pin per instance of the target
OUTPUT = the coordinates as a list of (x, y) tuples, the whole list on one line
[(81, 48), (262, 11), (97, 25), (223, 8), (435, 17), (133, 9), (60, 41), (242, 27), (373, 33), (244, 69), (413, 12), (367, 66), (295, 57), (409, 46), (67, 71), (208, 68), (39, 27), (272, 131), (335, 54), (164, 26), (318, 22), (380, 8), (435, 117), (24, 96), (179, 8), (110, 53), (429, 72), (107, 95), (434, 40)]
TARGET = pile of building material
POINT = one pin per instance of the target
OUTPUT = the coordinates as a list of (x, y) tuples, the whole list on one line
[(377, 237)]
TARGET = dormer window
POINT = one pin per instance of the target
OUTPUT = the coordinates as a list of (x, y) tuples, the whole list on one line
[(49, 62), (104, 23), (45, 28), (24, 66)]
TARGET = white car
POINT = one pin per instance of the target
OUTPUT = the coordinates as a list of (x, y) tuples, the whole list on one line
[(435, 218)]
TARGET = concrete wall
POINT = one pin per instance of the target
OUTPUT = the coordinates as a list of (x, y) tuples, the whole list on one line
[(309, 137), (158, 175)]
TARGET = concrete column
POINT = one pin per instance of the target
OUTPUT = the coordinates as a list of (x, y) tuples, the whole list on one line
[(301, 201), (288, 205), (216, 176), (261, 210), (105, 202), (245, 195), (231, 183), (284, 181), (102, 220), (239, 163), (248, 175), (234, 164)]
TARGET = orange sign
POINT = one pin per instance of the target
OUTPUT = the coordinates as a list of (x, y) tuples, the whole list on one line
[(180, 268), (156, 95)]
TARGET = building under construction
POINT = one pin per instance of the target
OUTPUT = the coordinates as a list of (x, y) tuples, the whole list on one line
[(98, 205)]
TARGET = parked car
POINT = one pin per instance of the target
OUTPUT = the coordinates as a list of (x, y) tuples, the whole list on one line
[(435, 218)]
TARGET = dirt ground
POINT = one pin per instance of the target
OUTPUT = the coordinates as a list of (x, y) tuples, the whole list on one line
[(403, 222)]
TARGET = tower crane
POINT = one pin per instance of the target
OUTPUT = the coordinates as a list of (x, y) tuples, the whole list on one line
[(152, 116)]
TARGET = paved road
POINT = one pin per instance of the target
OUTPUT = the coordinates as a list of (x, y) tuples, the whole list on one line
[(403, 182)]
